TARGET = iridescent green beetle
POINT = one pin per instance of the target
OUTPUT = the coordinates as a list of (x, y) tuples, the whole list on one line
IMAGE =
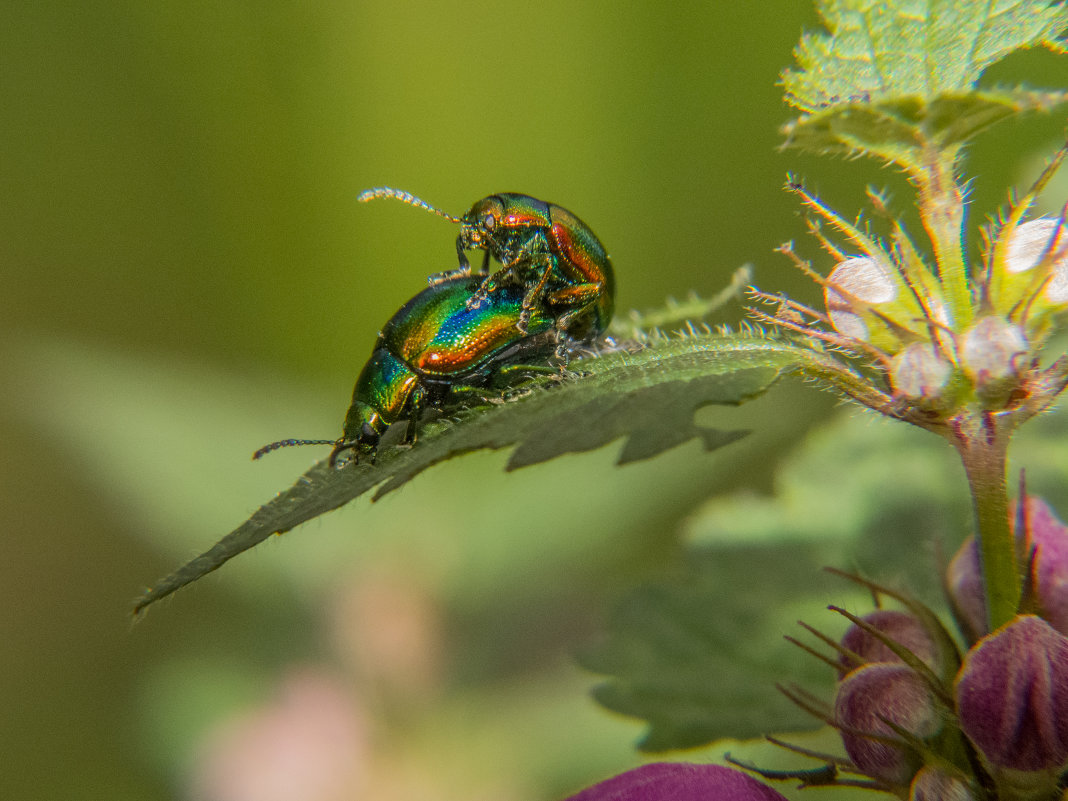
[(544, 247), (435, 351)]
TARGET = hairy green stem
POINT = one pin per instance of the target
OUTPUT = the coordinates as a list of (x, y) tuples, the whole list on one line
[(982, 439), (942, 211)]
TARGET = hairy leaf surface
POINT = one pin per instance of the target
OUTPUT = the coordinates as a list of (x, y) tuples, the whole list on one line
[(649, 398)]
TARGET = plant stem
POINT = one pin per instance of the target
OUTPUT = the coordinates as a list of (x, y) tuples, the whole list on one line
[(942, 212), (982, 440)]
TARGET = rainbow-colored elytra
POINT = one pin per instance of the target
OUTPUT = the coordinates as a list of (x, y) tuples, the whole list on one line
[(434, 351), (436, 344)]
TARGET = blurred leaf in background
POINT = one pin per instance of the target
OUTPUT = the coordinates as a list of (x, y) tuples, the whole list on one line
[(884, 495), (187, 275)]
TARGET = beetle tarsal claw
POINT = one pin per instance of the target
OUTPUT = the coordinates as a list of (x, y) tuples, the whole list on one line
[(523, 323), (448, 275), (477, 300)]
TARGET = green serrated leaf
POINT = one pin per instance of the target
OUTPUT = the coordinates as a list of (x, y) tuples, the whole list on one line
[(876, 51), (698, 655), (894, 79), (648, 397), (671, 405), (899, 129)]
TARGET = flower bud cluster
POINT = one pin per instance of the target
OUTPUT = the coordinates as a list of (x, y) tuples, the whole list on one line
[(1012, 691), (923, 722), (897, 307), (944, 340)]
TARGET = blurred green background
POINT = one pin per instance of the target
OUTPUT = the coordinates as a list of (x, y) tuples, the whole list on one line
[(187, 275)]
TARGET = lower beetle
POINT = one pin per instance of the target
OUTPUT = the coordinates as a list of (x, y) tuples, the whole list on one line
[(544, 247), (435, 350)]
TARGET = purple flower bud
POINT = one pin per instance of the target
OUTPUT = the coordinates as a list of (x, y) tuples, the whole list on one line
[(964, 582), (1049, 537), (677, 781), (901, 627), (1012, 696), (892, 692), (931, 784)]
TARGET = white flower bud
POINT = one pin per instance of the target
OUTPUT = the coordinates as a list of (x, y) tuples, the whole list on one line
[(920, 372), (865, 279), (1035, 240), (992, 349)]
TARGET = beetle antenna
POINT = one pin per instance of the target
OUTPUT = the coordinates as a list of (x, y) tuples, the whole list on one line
[(404, 197), (286, 443)]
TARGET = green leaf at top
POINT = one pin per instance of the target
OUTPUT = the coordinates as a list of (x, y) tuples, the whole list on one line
[(896, 78), (647, 397), (898, 129), (878, 50)]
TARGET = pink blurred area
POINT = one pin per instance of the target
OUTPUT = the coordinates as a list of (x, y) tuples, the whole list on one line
[(310, 742)]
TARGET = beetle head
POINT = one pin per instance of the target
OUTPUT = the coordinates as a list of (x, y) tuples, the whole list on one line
[(361, 420), (479, 227)]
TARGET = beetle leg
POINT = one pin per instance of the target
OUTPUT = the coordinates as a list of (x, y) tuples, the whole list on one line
[(579, 300), (483, 394), (488, 284), (340, 447), (541, 264), (481, 295), (539, 369), (534, 294), (417, 404), (464, 264), (439, 278), (578, 295), (463, 270), (515, 380), (518, 264), (415, 410)]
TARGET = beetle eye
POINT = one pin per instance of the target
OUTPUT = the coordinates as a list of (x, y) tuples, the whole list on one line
[(489, 222)]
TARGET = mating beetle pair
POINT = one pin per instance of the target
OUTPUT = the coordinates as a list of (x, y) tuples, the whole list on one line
[(468, 333)]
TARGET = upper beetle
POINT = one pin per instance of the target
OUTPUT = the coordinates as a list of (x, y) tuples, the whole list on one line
[(542, 246)]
